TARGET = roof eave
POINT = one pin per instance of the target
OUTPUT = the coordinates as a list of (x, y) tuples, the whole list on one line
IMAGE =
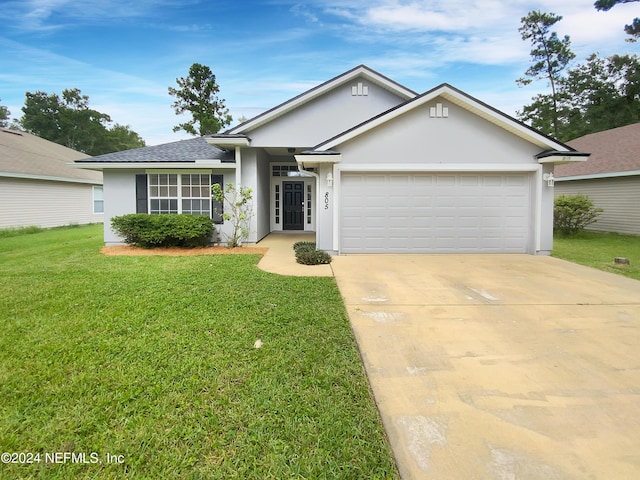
[(561, 157), (99, 166), (50, 178), (314, 157), (228, 141)]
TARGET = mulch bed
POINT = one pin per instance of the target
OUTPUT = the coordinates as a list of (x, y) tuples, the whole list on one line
[(178, 252)]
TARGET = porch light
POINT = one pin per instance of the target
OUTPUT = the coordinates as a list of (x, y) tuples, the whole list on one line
[(549, 178), (329, 180)]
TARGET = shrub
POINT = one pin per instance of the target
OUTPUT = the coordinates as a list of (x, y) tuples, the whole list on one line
[(304, 246), (308, 254), (166, 230), (572, 213)]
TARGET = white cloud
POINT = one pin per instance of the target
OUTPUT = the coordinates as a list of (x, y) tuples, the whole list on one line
[(50, 15), (475, 31)]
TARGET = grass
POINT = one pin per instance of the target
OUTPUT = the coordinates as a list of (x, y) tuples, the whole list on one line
[(152, 360), (598, 250), (17, 231)]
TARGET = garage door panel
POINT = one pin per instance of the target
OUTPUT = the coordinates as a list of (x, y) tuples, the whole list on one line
[(438, 213)]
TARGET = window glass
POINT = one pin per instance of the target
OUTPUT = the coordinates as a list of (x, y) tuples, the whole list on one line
[(98, 200), (173, 193)]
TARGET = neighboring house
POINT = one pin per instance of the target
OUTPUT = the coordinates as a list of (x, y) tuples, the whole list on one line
[(611, 177), (368, 165), (38, 187)]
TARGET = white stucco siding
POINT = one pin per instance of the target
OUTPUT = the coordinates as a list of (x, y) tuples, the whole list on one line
[(120, 197), (325, 117), (43, 203), (255, 175), (415, 137), (619, 197)]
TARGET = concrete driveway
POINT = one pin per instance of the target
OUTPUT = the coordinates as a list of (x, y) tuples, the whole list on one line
[(499, 366)]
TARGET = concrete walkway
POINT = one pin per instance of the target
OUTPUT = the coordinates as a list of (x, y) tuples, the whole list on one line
[(280, 258), (499, 366)]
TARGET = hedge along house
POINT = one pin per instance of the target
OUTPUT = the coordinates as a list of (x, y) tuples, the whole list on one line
[(365, 163)]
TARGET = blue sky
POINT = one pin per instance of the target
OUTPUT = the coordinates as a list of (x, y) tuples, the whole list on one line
[(124, 54)]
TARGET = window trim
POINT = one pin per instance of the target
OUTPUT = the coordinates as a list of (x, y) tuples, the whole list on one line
[(179, 192), (94, 189)]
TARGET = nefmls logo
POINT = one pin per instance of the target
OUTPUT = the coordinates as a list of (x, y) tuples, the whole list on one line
[(72, 457)]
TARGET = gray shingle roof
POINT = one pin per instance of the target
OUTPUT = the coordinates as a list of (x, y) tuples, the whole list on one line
[(181, 151), (615, 150)]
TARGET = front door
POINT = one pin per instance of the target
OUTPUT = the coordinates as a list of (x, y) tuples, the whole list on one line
[(293, 205)]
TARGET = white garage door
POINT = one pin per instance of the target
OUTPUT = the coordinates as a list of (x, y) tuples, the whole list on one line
[(435, 213)]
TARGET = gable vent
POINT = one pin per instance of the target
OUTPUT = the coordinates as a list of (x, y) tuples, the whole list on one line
[(360, 90), (439, 111)]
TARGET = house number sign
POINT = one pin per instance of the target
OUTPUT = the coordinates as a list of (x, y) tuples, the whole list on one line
[(326, 200)]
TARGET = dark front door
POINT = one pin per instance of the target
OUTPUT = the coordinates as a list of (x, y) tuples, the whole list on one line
[(293, 205)]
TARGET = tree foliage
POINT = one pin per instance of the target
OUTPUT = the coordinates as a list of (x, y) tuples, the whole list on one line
[(634, 28), (4, 116), (597, 95), (549, 55), (69, 121), (198, 95)]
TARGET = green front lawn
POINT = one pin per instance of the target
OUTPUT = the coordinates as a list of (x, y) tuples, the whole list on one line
[(151, 360), (598, 250)]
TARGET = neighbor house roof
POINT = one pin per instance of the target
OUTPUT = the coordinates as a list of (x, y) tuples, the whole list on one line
[(23, 155), (191, 151), (612, 152)]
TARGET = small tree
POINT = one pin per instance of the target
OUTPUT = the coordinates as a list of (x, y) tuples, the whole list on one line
[(572, 213), (198, 95), (237, 209)]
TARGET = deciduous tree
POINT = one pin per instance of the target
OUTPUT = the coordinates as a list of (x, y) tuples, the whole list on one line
[(198, 95), (69, 121)]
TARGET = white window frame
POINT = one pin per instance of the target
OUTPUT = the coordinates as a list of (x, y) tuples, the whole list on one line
[(179, 196), (97, 196)]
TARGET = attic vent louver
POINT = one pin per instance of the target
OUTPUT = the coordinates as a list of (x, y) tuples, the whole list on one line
[(439, 111), (360, 90)]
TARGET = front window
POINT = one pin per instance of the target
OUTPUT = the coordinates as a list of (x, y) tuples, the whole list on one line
[(173, 193)]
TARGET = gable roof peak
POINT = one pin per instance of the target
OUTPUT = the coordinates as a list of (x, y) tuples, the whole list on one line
[(461, 99), (305, 97)]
